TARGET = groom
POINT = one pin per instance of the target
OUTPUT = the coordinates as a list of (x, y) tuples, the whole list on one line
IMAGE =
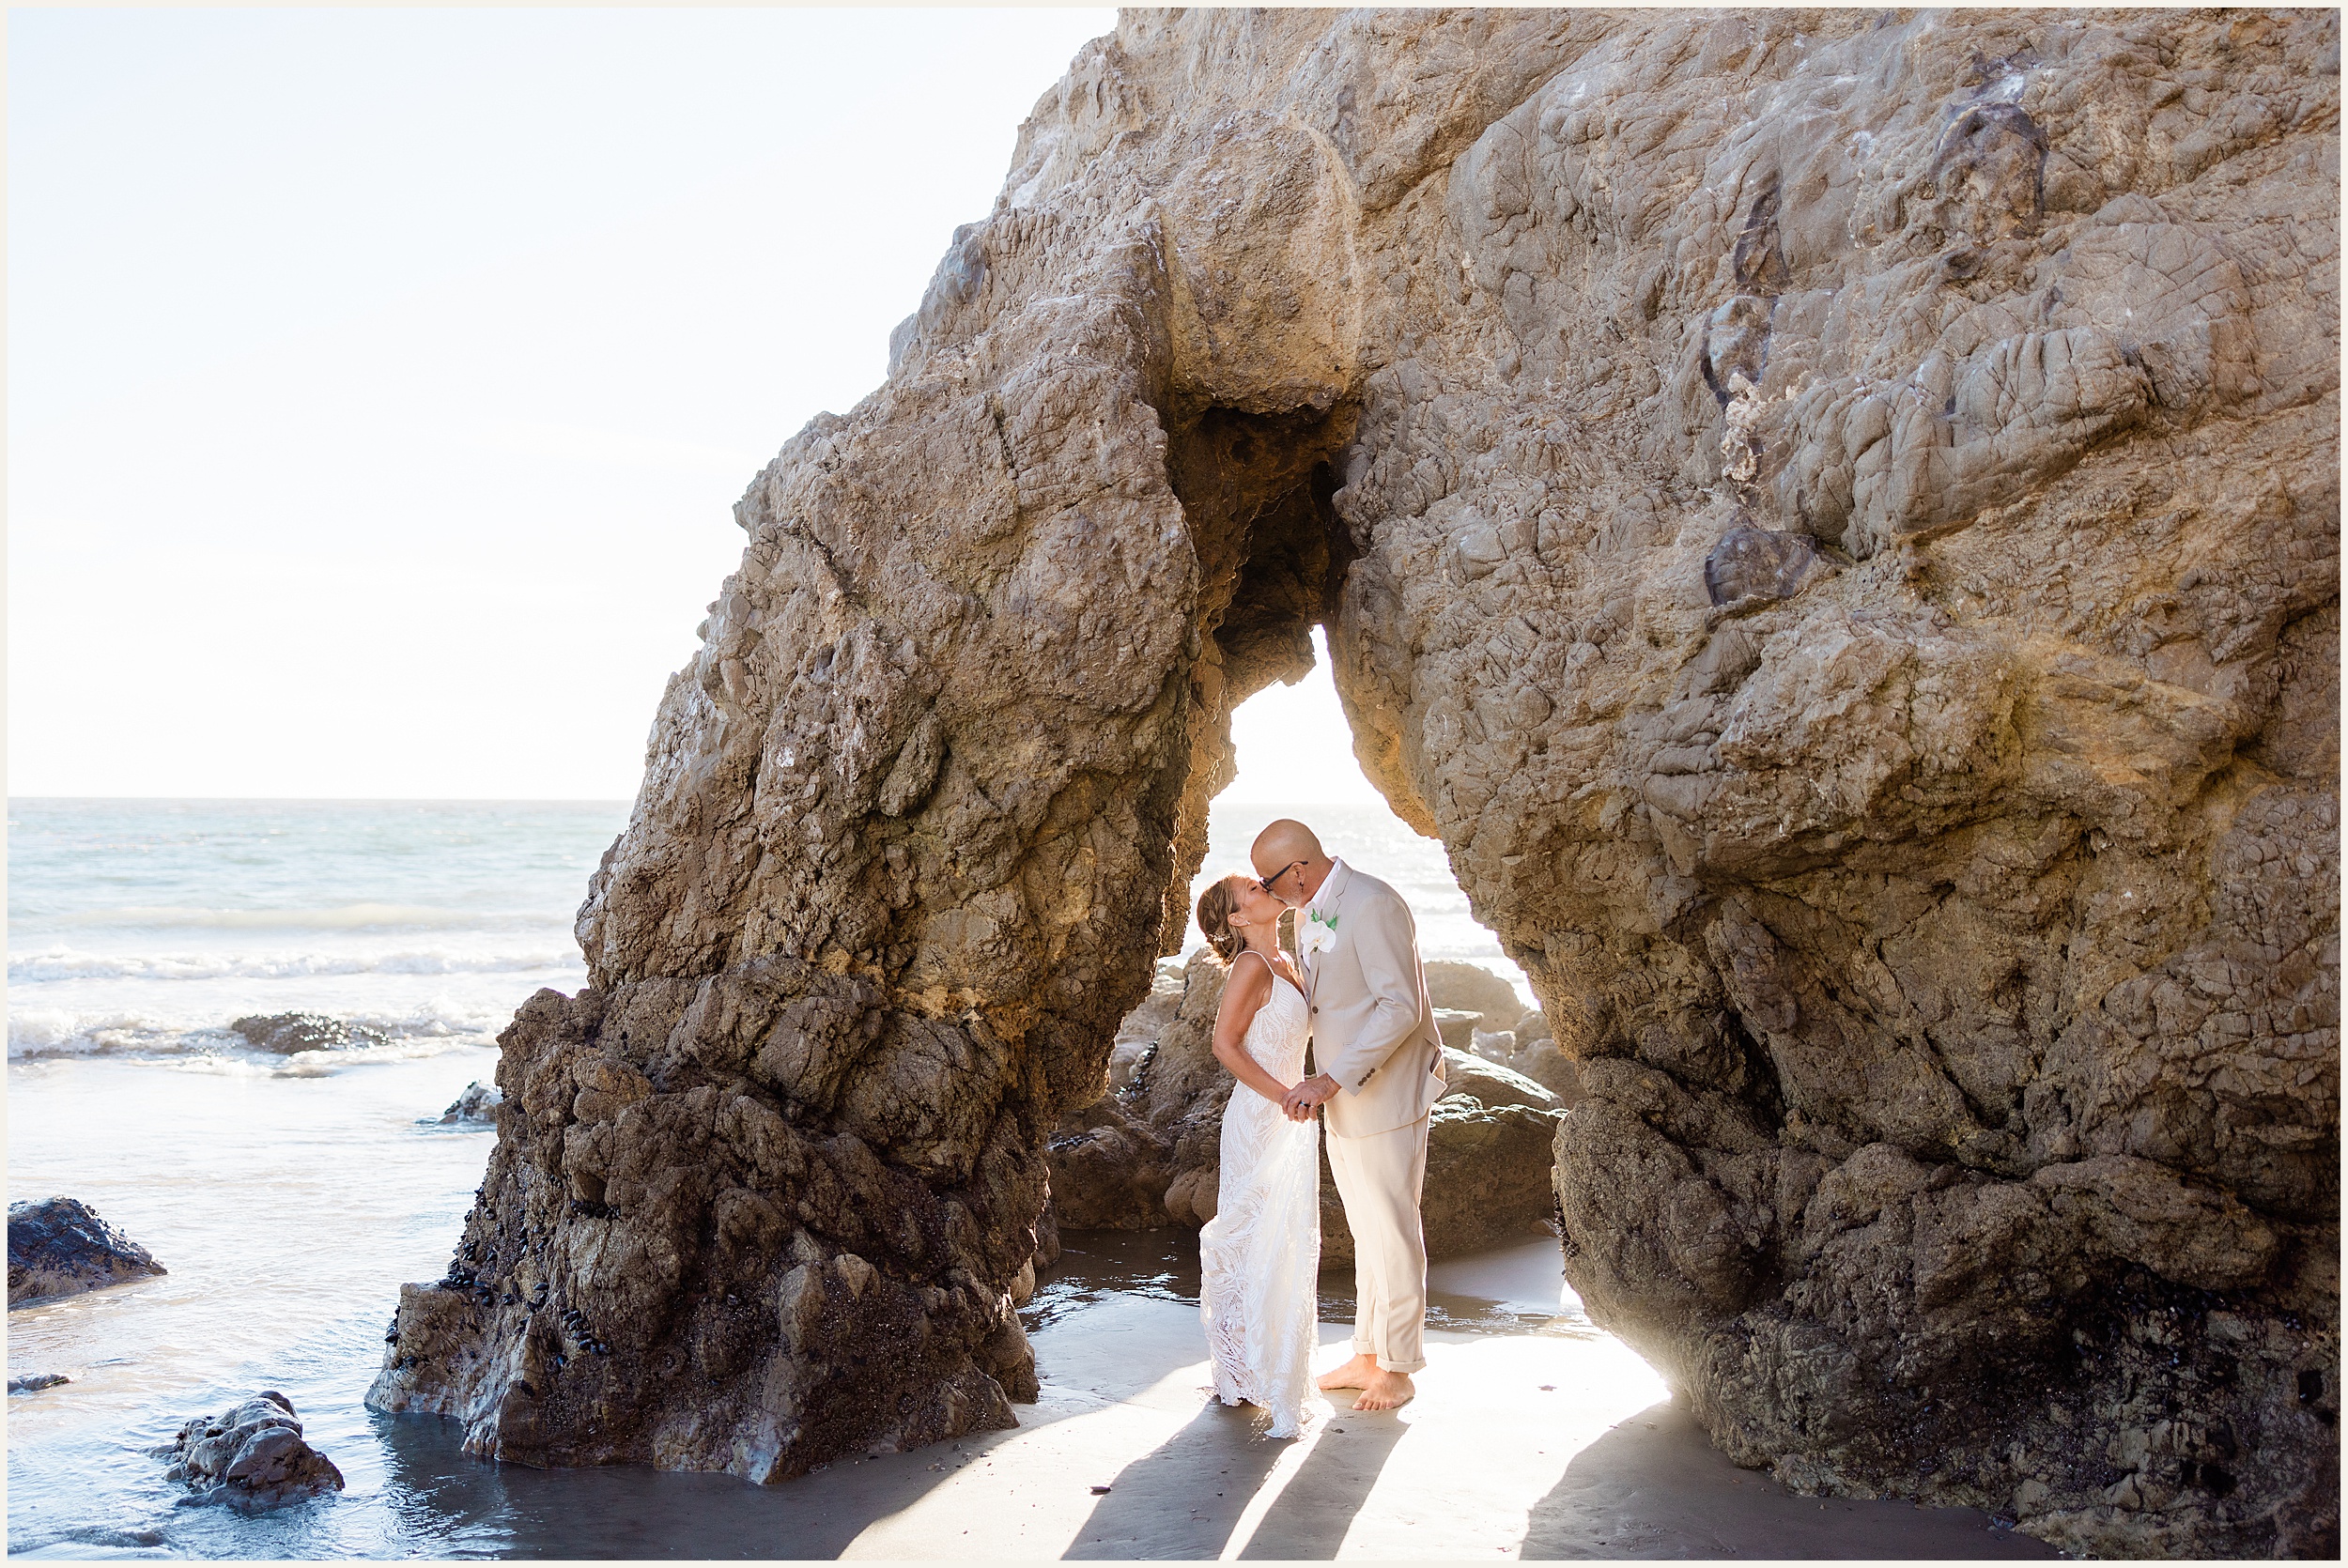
[(1380, 1064)]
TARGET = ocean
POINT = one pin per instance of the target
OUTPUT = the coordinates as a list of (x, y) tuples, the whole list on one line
[(289, 1196), (141, 929)]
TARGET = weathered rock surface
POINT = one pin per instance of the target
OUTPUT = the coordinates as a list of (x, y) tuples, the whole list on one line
[(478, 1104), (1150, 1153), (1470, 989), (60, 1247), (37, 1382), (288, 1033), (251, 1458), (1832, 518), (1531, 1050)]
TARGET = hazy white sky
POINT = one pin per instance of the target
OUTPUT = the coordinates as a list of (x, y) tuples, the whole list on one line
[(381, 382)]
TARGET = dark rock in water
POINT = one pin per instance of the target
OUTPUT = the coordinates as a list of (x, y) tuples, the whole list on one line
[(37, 1382), (62, 1248), (252, 1457), (287, 1033), (1152, 1154), (478, 1104), (1755, 564)]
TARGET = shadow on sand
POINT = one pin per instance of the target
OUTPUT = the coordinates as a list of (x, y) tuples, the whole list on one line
[(1654, 1486), (1190, 1497), (1513, 1425)]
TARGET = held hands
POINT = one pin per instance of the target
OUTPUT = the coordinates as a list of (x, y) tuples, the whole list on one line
[(1303, 1101)]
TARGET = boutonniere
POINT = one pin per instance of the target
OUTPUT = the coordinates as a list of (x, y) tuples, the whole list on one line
[(1317, 933)]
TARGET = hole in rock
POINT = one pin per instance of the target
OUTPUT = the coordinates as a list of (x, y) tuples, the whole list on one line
[(1295, 759)]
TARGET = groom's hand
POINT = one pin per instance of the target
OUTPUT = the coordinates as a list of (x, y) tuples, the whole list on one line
[(1307, 1097)]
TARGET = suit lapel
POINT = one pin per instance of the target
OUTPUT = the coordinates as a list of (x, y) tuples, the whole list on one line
[(1343, 876)]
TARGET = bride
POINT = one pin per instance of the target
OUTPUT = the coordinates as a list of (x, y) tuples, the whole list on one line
[(1259, 1256)]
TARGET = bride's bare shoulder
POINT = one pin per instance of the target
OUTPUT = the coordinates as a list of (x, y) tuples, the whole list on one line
[(1246, 984)]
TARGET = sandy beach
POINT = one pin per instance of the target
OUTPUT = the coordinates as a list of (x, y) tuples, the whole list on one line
[(1555, 1442)]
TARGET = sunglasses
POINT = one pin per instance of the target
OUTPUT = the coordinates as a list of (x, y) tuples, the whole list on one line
[(1271, 881)]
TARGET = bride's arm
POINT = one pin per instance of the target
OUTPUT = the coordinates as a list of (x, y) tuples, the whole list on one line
[(1247, 989)]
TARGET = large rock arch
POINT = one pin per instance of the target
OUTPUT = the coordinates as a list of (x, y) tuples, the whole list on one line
[(1833, 521)]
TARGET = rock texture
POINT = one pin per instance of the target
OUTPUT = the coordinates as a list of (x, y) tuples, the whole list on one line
[(1832, 518), (476, 1106), (60, 1247), (251, 1458), (1149, 1152)]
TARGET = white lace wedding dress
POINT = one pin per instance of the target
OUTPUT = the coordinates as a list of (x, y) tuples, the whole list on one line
[(1259, 1256)]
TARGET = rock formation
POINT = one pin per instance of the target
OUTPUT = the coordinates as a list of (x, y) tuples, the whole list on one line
[(1148, 1152), (252, 1457), (60, 1247), (1832, 518), (476, 1106)]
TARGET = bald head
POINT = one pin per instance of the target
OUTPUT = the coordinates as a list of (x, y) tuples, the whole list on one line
[(1289, 857)]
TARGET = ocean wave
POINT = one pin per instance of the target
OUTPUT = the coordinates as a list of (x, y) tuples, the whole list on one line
[(68, 964), (337, 917), (39, 1033)]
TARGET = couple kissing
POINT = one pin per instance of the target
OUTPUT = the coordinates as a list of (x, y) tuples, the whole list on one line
[(1356, 995)]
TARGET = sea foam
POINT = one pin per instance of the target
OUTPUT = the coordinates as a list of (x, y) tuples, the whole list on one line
[(70, 964)]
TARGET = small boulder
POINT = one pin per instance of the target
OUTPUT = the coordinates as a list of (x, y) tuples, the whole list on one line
[(478, 1104), (1470, 989), (252, 1457), (60, 1247), (285, 1034), (1552, 1069), (1107, 1170), (37, 1382), (1493, 1045), (1456, 1027), (1492, 1085)]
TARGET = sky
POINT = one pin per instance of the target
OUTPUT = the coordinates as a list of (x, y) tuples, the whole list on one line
[(381, 382)]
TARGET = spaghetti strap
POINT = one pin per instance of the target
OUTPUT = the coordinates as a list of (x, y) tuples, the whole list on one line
[(1251, 953)]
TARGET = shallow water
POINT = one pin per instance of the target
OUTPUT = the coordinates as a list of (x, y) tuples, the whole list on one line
[(143, 928)]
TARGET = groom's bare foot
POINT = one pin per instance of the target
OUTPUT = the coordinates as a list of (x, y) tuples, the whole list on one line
[(1355, 1374), (1384, 1391)]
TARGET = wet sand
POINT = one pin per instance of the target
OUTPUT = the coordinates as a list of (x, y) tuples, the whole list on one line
[(1536, 1435), (1555, 1442)]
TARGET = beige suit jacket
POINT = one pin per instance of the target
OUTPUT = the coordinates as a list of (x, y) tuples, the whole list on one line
[(1373, 1028)]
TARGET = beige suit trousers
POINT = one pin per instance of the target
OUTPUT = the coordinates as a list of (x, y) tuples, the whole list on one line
[(1380, 1177)]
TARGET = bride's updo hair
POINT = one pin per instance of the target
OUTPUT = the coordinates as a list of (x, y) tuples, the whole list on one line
[(1215, 919)]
